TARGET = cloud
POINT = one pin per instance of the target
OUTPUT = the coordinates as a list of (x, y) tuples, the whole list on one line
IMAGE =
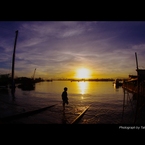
[(61, 47)]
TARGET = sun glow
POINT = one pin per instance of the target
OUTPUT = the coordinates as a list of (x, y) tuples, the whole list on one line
[(83, 73)]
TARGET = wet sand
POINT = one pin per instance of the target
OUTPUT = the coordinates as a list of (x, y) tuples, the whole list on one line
[(52, 114)]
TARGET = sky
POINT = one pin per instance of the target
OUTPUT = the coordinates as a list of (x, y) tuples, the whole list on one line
[(58, 49)]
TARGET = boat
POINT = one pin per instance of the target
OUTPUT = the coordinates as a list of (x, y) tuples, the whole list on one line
[(27, 83), (4, 80), (118, 82)]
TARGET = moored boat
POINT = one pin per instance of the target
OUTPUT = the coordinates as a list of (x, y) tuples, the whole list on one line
[(27, 83), (4, 80), (118, 82)]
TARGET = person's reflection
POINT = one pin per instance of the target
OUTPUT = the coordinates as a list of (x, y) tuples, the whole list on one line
[(63, 118), (13, 93)]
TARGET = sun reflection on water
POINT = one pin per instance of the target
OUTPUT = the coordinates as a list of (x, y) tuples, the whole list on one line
[(83, 88)]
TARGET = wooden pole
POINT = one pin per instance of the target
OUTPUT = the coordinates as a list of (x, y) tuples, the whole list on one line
[(136, 114), (13, 61), (136, 61), (123, 105)]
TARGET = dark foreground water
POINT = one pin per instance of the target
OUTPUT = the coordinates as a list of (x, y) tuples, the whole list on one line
[(105, 99)]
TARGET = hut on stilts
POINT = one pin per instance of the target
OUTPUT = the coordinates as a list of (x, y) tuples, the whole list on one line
[(136, 86)]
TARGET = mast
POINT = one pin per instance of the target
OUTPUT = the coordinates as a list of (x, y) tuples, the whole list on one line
[(34, 74), (13, 61)]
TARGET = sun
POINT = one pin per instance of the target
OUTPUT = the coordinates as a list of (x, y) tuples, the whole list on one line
[(83, 73)]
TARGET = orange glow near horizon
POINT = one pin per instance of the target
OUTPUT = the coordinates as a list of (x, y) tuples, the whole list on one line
[(75, 73), (83, 73)]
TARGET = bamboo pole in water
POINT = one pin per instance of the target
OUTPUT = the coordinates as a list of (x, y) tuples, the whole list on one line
[(13, 62)]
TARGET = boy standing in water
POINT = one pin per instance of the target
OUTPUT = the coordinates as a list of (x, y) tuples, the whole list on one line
[(64, 97)]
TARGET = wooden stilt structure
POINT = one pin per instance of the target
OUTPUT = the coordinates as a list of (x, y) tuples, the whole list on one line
[(137, 89), (127, 99), (136, 86)]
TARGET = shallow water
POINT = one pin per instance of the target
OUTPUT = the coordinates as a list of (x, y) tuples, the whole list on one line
[(106, 100)]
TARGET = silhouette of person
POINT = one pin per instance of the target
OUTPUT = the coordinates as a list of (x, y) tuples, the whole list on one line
[(64, 97)]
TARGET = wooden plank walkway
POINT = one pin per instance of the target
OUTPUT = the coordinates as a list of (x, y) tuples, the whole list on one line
[(25, 114), (49, 115), (79, 117)]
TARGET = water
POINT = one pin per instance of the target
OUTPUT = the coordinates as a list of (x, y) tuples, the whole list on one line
[(106, 101)]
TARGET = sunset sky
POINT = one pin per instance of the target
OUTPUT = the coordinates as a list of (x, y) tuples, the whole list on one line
[(58, 49)]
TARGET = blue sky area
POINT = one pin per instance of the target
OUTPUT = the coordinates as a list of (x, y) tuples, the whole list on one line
[(57, 49)]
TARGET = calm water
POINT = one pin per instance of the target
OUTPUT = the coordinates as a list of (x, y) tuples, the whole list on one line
[(106, 100)]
